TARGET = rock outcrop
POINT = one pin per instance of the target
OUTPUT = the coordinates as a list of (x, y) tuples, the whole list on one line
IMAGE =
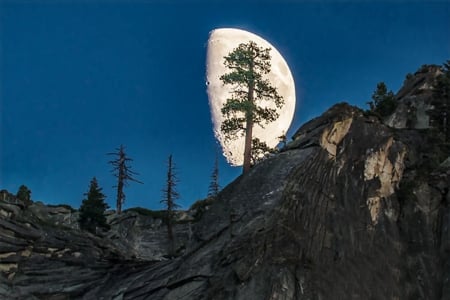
[(352, 208), (145, 237), (414, 99)]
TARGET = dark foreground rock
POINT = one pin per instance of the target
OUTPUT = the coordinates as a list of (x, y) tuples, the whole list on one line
[(351, 209)]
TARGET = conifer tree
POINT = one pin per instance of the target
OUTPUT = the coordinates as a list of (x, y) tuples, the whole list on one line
[(260, 151), (92, 209), (383, 102), (440, 115), (170, 195), (123, 172), (247, 106), (24, 194), (214, 186)]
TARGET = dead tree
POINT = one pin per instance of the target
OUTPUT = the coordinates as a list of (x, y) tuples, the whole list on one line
[(170, 195), (123, 172)]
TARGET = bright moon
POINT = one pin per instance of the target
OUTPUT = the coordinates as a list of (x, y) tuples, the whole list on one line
[(221, 42)]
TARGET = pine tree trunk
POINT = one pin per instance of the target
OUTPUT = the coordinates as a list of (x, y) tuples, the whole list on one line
[(249, 127), (170, 183), (248, 145), (171, 249), (119, 197)]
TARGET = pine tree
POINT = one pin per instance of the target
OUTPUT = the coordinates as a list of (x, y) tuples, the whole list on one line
[(24, 194), (383, 102), (260, 151), (92, 209), (248, 63), (170, 195), (123, 173), (440, 115), (214, 186)]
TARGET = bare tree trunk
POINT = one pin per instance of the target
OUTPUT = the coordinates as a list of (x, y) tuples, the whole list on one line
[(120, 184), (171, 249), (119, 196), (170, 183), (123, 174)]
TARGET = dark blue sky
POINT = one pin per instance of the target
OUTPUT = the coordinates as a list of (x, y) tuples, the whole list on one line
[(77, 79)]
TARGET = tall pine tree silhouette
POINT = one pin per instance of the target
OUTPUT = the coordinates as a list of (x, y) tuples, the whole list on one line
[(214, 186), (170, 195), (251, 94), (92, 209)]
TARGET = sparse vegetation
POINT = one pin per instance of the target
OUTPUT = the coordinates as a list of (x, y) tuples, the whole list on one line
[(156, 214), (200, 206), (63, 205), (260, 151), (383, 103), (423, 69), (440, 115), (6, 196)]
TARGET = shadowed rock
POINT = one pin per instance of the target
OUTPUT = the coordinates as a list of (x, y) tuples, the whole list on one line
[(350, 209)]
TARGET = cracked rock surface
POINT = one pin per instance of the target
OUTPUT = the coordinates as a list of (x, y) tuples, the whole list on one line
[(351, 209)]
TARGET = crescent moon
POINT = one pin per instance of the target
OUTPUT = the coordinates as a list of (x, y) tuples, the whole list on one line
[(221, 42)]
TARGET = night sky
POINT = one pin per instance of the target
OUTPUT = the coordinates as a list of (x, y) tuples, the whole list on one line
[(79, 78)]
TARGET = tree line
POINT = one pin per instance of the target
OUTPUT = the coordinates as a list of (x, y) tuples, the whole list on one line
[(93, 207), (247, 64), (250, 104)]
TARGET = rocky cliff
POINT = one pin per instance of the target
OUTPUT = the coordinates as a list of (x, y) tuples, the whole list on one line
[(355, 207)]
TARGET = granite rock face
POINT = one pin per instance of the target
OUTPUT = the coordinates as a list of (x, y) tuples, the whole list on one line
[(414, 99), (351, 209), (144, 237)]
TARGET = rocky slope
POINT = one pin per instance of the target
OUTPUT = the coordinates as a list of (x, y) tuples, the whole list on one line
[(354, 208)]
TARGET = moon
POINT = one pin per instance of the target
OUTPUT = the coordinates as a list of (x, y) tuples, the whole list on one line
[(220, 43)]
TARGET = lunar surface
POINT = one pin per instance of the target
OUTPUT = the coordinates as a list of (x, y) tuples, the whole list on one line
[(221, 42)]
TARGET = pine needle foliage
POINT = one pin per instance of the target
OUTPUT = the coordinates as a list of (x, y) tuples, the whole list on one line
[(252, 92), (260, 151), (24, 194), (383, 103), (440, 115), (92, 209), (214, 186)]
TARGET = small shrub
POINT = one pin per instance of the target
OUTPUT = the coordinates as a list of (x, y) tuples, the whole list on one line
[(156, 214), (200, 207), (63, 205)]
